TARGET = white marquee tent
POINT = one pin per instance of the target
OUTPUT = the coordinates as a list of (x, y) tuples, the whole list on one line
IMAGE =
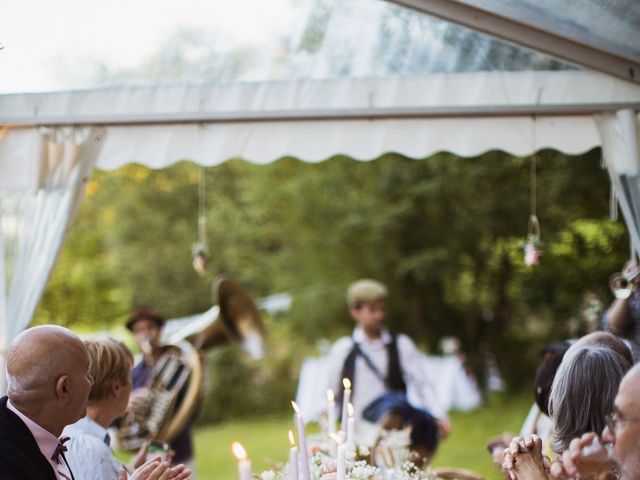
[(356, 77)]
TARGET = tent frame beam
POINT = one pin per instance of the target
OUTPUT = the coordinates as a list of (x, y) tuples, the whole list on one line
[(345, 114), (529, 36)]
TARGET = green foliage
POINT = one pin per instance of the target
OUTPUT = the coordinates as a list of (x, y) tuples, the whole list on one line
[(446, 234)]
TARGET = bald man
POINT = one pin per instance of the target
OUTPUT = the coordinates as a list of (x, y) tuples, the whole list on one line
[(48, 385)]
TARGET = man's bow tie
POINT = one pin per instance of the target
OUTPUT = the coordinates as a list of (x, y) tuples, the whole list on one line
[(60, 449)]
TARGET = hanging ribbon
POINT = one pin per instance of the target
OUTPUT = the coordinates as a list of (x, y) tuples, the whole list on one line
[(533, 245), (200, 250)]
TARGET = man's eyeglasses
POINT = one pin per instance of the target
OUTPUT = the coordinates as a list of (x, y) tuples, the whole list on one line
[(614, 418)]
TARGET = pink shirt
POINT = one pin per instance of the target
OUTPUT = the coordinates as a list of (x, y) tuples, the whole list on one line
[(47, 442)]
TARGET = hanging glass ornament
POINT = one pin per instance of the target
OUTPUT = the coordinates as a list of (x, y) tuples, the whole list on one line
[(533, 245)]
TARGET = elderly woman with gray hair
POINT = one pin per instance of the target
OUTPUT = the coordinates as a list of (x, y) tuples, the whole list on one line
[(582, 394)]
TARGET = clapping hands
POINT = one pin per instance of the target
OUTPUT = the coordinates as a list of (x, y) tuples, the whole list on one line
[(586, 458), (157, 469), (523, 459)]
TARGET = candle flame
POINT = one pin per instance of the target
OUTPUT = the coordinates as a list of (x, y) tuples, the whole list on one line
[(295, 407), (350, 409), (330, 396), (291, 440), (238, 451), (347, 383)]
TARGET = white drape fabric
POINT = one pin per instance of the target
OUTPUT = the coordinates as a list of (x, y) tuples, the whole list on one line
[(34, 222), (620, 145)]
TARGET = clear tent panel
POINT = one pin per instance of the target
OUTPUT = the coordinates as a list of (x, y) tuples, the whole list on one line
[(612, 25), (158, 42)]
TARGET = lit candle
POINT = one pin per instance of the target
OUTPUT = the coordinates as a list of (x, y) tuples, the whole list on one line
[(351, 439), (302, 441), (244, 465), (293, 458), (346, 398), (331, 411)]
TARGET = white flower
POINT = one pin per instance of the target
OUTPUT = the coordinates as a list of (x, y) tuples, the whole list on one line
[(362, 471), (268, 475), (363, 451)]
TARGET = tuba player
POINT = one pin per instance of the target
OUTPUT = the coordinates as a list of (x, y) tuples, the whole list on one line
[(146, 327)]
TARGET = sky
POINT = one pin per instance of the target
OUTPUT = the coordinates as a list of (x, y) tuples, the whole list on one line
[(42, 41)]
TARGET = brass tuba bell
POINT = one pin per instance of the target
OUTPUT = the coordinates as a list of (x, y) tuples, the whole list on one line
[(238, 320), (179, 373)]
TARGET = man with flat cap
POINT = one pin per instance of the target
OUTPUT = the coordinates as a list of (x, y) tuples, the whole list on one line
[(48, 386), (146, 327), (389, 387)]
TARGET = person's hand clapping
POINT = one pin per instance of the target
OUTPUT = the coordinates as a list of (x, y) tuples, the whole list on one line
[(523, 460), (586, 458), (157, 469)]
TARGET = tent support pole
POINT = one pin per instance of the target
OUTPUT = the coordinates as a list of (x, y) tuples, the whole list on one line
[(529, 36), (399, 113)]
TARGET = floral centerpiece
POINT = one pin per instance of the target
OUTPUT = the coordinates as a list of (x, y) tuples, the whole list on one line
[(335, 455), (389, 459)]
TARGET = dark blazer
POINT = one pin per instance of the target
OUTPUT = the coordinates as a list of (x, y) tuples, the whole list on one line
[(20, 457)]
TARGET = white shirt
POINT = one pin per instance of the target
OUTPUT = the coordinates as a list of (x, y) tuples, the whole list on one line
[(367, 385), (47, 442), (89, 457), (538, 423)]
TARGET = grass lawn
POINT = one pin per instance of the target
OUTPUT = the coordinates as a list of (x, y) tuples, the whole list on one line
[(266, 439)]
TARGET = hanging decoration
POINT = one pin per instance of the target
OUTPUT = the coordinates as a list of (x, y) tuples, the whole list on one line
[(533, 245), (200, 249)]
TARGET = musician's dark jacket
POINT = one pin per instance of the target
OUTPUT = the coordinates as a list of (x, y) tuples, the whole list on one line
[(20, 457)]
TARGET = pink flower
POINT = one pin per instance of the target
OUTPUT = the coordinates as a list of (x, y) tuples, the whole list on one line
[(315, 449), (330, 467), (329, 476)]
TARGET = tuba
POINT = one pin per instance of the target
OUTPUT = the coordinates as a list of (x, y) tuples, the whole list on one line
[(176, 379)]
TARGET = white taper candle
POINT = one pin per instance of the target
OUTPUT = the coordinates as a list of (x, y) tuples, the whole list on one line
[(302, 442), (244, 465), (293, 458), (346, 398)]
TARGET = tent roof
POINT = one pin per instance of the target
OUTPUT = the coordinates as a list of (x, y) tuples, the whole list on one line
[(611, 26), (385, 79), (604, 36), (466, 113)]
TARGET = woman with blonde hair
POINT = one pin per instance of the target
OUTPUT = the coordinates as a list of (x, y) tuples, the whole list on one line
[(90, 455)]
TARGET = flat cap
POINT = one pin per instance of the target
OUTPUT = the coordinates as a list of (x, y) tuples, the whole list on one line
[(364, 291)]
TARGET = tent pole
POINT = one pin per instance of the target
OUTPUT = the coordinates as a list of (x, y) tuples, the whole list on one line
[(529, 36), (398, 113)]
